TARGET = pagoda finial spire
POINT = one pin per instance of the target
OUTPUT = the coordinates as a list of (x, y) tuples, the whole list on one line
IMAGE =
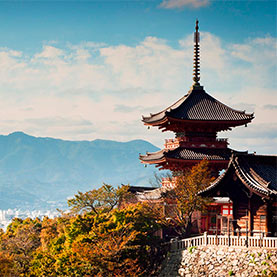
[(196, 63)]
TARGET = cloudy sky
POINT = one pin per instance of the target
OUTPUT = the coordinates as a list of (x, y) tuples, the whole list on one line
[(82, 70)]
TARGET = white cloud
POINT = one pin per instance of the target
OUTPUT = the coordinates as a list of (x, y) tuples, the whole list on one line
[(270, 107), (144, 65), (11, 53), (257, 137), (178, 4), (59, 122), (50, 52), (52, 92), (254, 46)]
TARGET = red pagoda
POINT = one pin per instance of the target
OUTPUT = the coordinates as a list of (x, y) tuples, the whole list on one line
[(195, 119)]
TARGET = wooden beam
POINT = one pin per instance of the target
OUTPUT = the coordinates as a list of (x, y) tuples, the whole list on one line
[(250, 214), (266, 220)]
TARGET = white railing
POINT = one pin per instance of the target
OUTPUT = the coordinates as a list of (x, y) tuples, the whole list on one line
[(233, 241), (185, 243)]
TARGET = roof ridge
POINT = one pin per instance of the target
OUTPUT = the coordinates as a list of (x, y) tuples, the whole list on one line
[(247, 179)]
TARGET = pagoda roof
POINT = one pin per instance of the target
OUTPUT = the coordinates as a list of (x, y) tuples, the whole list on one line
[(257, 172), (197, 105), (184, 153), (151, 195), (135, 189)]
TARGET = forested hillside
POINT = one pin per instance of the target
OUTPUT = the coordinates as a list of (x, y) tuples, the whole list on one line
[(36, 171)]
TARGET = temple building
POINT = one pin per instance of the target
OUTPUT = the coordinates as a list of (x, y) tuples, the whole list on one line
[(244, 196), (249, 187), (195, 119)]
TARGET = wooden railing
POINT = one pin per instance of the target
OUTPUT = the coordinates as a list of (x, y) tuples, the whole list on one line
[(233, 241)]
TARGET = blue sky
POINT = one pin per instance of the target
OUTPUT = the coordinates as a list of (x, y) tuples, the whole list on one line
[(90, 69), (26, 24)]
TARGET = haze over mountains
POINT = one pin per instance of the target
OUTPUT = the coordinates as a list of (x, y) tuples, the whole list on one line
[(40, 172)]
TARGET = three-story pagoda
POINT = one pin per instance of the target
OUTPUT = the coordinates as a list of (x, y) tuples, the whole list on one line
[(195, 119)]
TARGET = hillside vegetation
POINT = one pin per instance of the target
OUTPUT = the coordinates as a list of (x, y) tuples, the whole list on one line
[(36, 171), (103, 240), (104, 233)]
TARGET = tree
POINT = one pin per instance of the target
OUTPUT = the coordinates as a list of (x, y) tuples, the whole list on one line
[(7, 265), (107, 241), (103, 199), (118, 243), (184, 200), (19, 243)]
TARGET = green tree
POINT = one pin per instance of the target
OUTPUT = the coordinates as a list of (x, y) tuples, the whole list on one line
[(98, 200)]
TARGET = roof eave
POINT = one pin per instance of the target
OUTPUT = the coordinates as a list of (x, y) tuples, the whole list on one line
[(262, 192), (217, 181), (193, 121), (154, 122)]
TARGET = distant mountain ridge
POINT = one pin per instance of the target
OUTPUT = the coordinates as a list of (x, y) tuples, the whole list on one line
[(36, 171)]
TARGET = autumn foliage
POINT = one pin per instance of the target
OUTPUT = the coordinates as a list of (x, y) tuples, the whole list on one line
[(100, 237), (182, 201), (103, 241)]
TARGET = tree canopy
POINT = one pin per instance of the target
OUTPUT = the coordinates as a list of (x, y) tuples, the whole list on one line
[(99, 236), (98, 200), (99, 241), (185, 196)]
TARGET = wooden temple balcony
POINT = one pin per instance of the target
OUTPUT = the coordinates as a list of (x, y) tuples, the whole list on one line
[(196, 142)]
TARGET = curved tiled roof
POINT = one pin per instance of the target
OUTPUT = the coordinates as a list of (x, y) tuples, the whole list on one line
[(154, 156), (257, 172), (199, 105), (182, 153), (200, 153), (154, 194)]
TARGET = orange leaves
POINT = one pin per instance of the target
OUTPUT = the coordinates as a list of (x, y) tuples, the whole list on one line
[(113, 243), (6, 264), (105, 244), (48, 232), (186, 197), (19, 243)]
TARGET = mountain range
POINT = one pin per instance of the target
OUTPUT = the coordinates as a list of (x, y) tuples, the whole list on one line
[(40, 172)]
